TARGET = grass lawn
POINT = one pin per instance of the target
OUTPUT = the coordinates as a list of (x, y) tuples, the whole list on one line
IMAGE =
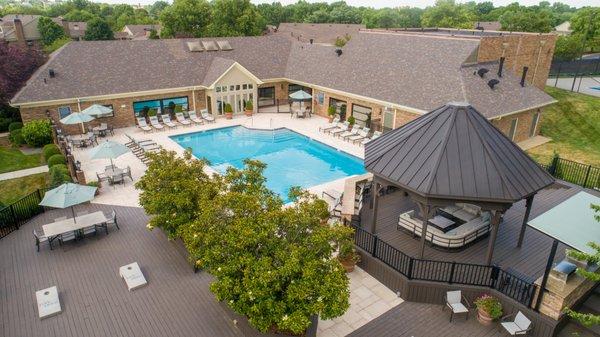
[(14, 189), (12, 159), (574, 126)]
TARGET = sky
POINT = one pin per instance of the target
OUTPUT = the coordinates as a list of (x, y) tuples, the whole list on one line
[(387, 3)]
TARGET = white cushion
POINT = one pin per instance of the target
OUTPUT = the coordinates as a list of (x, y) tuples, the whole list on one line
[(453, 296), (464, 215), (511, 328), (522, 321), (458, 308), (451, 209), (472, 208)]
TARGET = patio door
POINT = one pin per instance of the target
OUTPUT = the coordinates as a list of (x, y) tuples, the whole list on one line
[(266, 96), (340, 107)]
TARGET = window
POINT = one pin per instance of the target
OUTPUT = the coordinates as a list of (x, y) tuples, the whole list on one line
[(362, 115), (513, 128), (534, 122), (292, 88), (231, 88), (266, 96), (110, 106), (340, 107), (224, 88), (64, 111), (168, 105), (237, 87), (250, 86), (245, 87), (218, 89), (321, 98)]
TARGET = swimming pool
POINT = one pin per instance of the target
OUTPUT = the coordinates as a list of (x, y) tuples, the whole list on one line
[(292, 159)]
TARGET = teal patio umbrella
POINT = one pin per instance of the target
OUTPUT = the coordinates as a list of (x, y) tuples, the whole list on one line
[(108, 150), (77, 118), (97, 110), (300, 96), (68, 195)]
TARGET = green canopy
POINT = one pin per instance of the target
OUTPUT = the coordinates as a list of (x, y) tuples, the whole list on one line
[(108, 150), (571, 222), (68, 195), (97, 110), (77, 118)]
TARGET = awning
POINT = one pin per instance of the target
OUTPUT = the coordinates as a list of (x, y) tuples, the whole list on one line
[(571, 222)]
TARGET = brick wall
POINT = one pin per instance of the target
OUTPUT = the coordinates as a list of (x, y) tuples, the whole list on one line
[(519, 51), (122, 107), (524, 122)]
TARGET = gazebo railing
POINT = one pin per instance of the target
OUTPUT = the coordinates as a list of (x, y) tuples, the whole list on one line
[(504, 281)]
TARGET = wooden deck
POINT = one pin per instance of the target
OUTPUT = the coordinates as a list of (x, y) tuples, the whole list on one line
[(529, 259), (95, 301), (411, 319)]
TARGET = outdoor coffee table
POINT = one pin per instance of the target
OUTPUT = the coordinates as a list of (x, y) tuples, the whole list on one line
[(442, 223)]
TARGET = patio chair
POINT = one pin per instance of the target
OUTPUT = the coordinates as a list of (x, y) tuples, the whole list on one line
[(116, 179), (65, 237), (331, 125), (155, 123), (132, 141), (111, 129), (142, 124), (342, 128), (182, 120), (167, 121), (112, 219), (362, 134), (204, 113), (127, 173), (375, 135), (101, 178), (352, 132), (454, 301), (39, 239), (89, 230), (194, 118), (335, 206), (520, 325)]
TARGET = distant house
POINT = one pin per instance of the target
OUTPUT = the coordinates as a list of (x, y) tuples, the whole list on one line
[(563, 29), (75, 30), (488, 25), (23, 29), (137, 32), (323, 33)]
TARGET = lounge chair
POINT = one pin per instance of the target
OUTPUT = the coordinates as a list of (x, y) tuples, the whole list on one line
[(521, 325), (204, 113), (342, 128), (167, 121), (155, 123), (352, 132), (195, 118), (335, 204), (454, 301), (39, 239), (362, 134), (182, 120), (375, 135), (143, 125), (133, 142), (336, 126), (332, 125)]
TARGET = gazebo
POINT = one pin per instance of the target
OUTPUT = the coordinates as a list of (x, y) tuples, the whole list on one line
[(454, 154)]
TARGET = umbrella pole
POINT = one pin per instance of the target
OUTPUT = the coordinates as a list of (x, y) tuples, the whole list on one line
[(82, 128), (73, 211)]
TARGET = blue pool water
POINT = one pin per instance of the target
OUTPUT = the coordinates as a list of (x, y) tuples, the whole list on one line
[(595, 88), (292, 159)]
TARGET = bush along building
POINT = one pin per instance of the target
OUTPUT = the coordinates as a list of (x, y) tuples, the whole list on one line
[(382, 78)]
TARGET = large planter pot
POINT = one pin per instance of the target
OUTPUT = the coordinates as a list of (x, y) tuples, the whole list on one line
[(483, 317), (348, 264), (248, 112), (330, 119), (229, 115)]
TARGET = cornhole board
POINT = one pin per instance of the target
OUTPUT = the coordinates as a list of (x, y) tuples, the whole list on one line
[(47, 302), (133, 276)]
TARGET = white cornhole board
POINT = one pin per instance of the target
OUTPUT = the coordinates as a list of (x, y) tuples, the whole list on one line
[(132, 274), (47, 302)]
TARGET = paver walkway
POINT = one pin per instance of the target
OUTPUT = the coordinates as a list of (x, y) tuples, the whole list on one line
[(23, 173)]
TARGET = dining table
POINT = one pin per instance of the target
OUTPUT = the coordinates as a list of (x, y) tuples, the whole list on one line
[(101, 130), (54, 229)]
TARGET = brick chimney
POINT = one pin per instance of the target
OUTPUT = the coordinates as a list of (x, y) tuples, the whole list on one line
[(65, 25), (19, 32)]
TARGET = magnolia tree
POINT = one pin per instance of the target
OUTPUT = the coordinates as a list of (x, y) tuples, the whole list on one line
[(273, 264)]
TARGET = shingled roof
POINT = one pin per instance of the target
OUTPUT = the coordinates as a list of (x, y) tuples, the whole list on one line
[(454, 152), (417, 73)]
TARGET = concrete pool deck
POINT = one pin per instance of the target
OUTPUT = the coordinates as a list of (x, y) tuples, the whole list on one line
[(127, 195)]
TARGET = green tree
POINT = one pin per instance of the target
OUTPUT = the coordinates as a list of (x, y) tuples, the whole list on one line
[(568, 48), (527, 20), (79, 15), (186, 18), (447, 13), (586, 23), (235, 18), (156, 8), (98, 29), (273, 13), (50, 31)]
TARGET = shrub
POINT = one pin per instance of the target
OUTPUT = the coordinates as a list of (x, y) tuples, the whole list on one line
[(49, 150), (4, 123), (16, 137), (249, 105), (331, 110), (351, 120), (59, 174), (56, 159), (37, 133), (228, 108), (15, 125), (490, 305)]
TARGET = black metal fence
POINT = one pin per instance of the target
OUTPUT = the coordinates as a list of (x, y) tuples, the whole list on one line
[(585, 67), (16, 214), (511, 285), (581, 174)]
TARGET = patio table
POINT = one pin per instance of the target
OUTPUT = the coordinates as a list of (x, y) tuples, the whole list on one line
[(101, 130), (442, 223), (83, 139), (113, 172), (54, 229)]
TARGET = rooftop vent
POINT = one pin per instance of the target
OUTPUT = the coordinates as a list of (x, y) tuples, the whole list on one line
[(195, 46), (51, 73), (482, 71), (339, 52), (501, 66), (210, 45), (224, 45), (524, 75), (492, 83)]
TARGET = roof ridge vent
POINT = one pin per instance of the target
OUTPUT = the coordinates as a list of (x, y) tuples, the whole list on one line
[(482, 71), (492, 83)]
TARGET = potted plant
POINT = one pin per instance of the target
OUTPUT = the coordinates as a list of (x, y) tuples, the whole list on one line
[(331, 113), (249, 108), (228, 111), (351, 120), (489, 309), (347, 255)]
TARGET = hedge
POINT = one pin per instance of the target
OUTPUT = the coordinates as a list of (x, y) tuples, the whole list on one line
[(59, 174), (37, 133), (56, 159), (50, 150), (16, 137), (15, 125)]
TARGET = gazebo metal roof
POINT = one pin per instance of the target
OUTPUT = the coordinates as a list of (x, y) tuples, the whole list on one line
[(455, 153)]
